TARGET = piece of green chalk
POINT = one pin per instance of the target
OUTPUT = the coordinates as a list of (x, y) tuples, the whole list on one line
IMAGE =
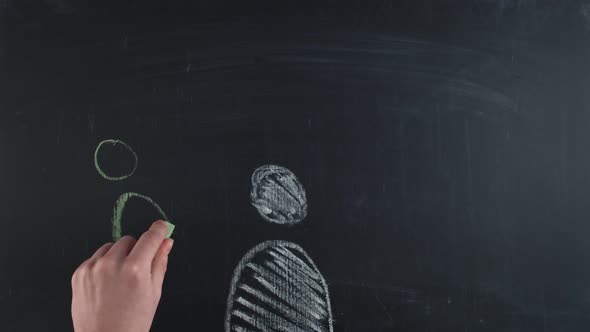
[(170, 227)]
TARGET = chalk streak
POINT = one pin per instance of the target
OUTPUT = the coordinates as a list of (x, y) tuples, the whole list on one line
[(265, 274), (266, 284), (276, 322), (296, 260), (275, 303), (312, 276), (319, 308), (281, 267), (250, 320), (277, 287), (238, 328), (120, 207)]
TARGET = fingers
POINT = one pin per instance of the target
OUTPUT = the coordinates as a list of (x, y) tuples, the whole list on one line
[(160, 262), (99, 253), (102, 251), (121, 248), (148, 244)]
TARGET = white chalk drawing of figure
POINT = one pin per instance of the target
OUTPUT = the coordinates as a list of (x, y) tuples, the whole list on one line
[(276, 285), (278, 195), (124, 198)]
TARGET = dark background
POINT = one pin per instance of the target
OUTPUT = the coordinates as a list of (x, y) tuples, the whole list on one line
[(443, 146)]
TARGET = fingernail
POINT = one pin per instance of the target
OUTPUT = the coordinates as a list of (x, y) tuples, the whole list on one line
[(158, 223), (160, 226)]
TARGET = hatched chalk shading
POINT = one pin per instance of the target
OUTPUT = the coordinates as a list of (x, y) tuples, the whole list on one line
[(277, 287), (278, 195)]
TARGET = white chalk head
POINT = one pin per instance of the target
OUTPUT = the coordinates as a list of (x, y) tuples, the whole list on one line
[(278, 195)]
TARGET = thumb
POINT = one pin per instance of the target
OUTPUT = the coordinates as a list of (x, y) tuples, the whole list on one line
[(160, 262)]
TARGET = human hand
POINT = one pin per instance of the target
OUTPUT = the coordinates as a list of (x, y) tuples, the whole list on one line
[(118, 289)]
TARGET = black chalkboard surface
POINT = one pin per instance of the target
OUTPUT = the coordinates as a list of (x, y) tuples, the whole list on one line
[(330, 166)]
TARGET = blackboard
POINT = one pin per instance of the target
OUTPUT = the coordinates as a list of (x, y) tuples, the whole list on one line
[(441, 145)]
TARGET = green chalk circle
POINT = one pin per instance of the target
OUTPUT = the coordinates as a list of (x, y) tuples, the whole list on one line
[(120, 206), (170, 229), (114, 142)]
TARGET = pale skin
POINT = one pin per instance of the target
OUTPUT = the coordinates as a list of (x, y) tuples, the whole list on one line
[(118, 289)]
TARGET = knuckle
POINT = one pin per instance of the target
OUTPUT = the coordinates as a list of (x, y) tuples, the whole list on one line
[(133, 272), (127, 238), (105, 246), (104, 265), (79, 272), (133, 269), (75, 277), (133, 276)]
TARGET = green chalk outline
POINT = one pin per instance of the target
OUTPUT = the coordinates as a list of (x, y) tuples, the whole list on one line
[(114, 142), (120, 206)]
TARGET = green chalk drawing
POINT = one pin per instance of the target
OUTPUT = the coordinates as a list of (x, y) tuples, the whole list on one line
[(120, 206), (114, 142)]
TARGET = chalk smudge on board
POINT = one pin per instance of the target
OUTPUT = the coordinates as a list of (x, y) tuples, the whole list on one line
[(277, 287), (115, 143), (91, 119), (278, 195), (120, 207)]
